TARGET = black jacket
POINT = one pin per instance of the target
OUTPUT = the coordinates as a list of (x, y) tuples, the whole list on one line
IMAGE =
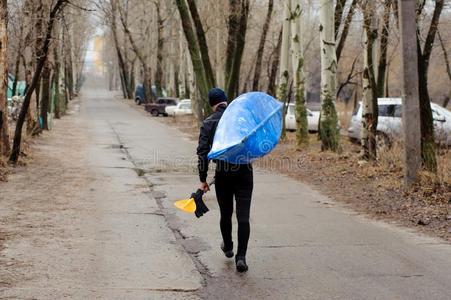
[(206, 136)]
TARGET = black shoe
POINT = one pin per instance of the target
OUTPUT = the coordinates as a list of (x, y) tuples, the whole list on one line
[(227, 252), (241, 265)]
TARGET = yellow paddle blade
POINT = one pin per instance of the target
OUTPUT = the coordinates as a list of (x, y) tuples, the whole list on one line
[(187, 205)]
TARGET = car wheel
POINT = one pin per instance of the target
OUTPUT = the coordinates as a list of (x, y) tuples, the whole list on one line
[(154, 112)]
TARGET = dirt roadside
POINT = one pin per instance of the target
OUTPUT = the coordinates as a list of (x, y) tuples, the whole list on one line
[(372, 189), (33, 209)]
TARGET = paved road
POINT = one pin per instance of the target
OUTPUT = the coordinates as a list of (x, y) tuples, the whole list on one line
[(126, 241)]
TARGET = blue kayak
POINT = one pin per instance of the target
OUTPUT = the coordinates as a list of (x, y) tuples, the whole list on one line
[(249, 129)]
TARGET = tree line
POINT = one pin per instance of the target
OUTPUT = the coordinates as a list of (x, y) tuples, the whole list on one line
[(216, 43), (340, 50), (43, 43)]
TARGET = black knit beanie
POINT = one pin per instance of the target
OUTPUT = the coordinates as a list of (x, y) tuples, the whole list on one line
[(216, 96)]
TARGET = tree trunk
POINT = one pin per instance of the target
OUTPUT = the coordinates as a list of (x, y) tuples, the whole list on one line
[(120, 57), (339, 9), (345, 31), (132, 82), (56, 82), (247, 83), (172, 86), (17, 64), (411, 108), (45, 95), (203, 46), (182, 69), (427, 123), (233, 23), (233, 81), (284, 62), (147, 82), (59, 5), (193, 47), (261, 47), (275, 65), (32, 110), (220, 80), (69, 71), (369, 105), (160, 45), (4, 128), (297, 58), (382, 67), (39, 27), (329, 132)]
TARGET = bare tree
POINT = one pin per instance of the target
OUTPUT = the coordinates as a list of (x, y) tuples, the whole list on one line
[(160, 45), (297, 59), (346, 26), (261, 46), (203, 46), (329, 132), (424, 56), (275, 65), (285, 61), (57, 7), (238, 18), (195, 53), (369, 105), (383, 49), (140, 54)]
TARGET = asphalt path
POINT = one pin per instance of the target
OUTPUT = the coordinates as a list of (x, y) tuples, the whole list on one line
[(129, 242)]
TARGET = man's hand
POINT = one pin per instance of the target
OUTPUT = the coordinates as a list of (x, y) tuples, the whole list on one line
[(204, 187)]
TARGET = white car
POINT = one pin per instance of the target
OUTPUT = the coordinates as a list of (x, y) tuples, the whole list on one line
[(312, 118), (183, 108), (170, 109), (390, 121)]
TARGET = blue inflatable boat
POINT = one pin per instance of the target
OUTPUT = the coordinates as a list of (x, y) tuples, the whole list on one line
[(249, 129)]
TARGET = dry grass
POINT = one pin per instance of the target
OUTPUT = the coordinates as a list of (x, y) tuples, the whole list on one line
[(375, 189), (391, 159), (444, 166), (186, 124)]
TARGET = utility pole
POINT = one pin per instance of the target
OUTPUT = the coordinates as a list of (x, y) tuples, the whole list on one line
[(411, 97)]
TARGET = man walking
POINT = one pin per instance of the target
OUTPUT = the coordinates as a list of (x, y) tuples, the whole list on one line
[(230, 180)]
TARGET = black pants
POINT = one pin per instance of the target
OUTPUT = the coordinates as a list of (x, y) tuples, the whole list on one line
[(235, 182)]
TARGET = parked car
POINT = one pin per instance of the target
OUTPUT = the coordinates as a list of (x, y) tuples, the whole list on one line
[(312, 118), (184, 108), (389, 125), (170, 109), (140, 96), (159, 107)]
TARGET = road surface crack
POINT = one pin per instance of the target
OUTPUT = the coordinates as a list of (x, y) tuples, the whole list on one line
[(179, 236)]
